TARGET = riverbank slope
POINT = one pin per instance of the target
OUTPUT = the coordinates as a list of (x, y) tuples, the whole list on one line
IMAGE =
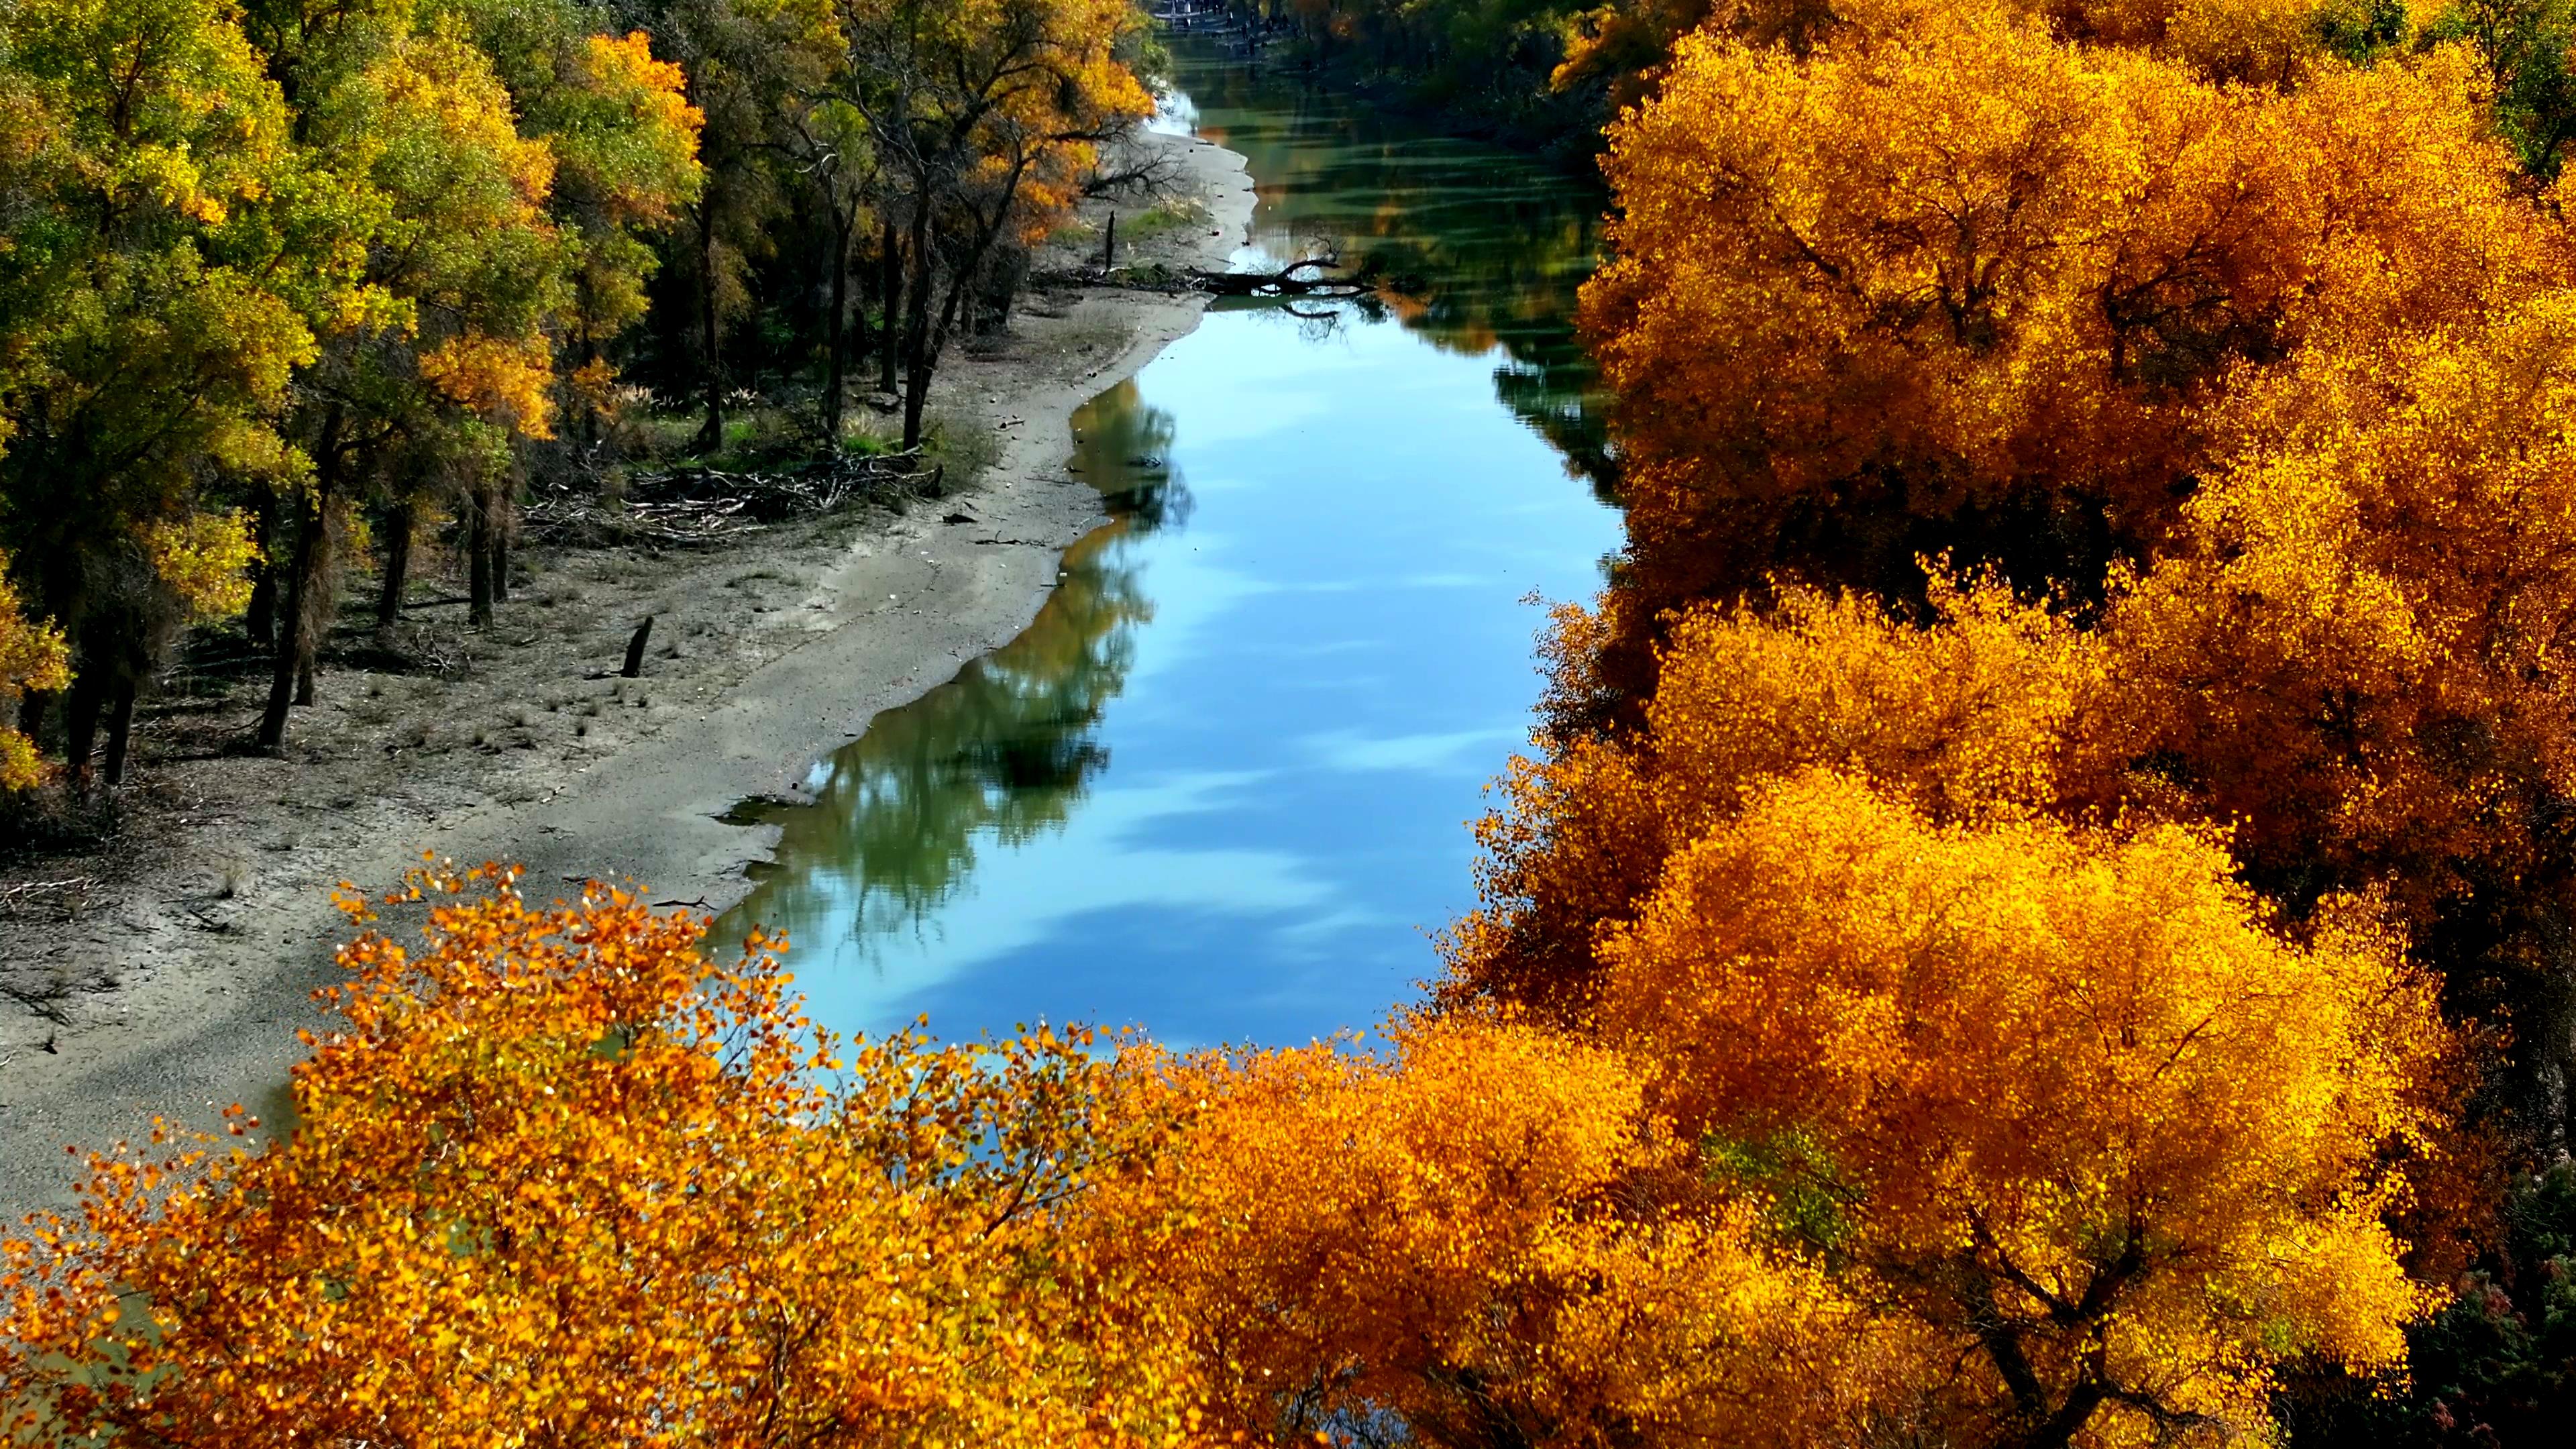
[(173, 980)]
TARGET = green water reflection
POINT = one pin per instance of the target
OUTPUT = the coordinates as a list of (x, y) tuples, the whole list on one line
[(1003, 751), (1218, 785), (1484, 248)]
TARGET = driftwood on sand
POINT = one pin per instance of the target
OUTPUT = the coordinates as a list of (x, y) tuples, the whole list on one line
[(690, 506)]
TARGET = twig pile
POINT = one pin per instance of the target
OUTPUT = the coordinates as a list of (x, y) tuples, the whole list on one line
[(686, 507), (69, 895)]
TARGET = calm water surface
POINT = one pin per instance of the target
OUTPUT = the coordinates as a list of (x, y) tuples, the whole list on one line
[(1220, 788)]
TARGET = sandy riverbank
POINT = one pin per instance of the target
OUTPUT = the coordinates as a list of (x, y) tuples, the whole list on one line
[(176, 983)]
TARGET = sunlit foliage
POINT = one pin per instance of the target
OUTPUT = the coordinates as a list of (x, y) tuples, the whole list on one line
[(2063, 1096), (1971, 276), (32, 657), (2362, 647), (165, 246), (556, 1176), (1482, 1237), (1971, 720)]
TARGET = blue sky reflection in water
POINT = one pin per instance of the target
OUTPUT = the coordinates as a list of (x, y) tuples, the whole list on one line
[(1220, 787)]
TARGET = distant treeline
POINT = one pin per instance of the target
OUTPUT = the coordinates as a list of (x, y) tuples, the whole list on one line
[(1552, 74)]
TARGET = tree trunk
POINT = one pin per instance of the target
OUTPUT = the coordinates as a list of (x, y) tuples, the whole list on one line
[(916, 389), (836, 344), (711, 435), (635, 642), (916, 329), (389, 598), (80, 717), (505, 510), (478, 555), (889, 282), (304, 671), (120, 728), (259, 621), (925, 339), (303, 580)]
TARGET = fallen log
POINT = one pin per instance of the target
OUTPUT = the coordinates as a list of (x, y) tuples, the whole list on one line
[(1315, 277), (1305, 277)]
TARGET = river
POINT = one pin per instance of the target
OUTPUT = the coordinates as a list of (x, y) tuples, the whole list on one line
[(1221, 786)]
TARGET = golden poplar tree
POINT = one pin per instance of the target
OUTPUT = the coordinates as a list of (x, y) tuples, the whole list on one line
[(557, 1177)]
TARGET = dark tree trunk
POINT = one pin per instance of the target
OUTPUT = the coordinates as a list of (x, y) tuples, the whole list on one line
[(120, 728), (835, 330), (890, 283), (304, 670), (80, 716), (303, 581), (916, 329), (389, 598), (925, 338), (711, 434), (259, 621), (635, 643), (916, 390), (478, 555), (505, 520)]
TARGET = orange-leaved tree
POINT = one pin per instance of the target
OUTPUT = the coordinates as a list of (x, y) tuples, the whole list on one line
[(2063, 1098), (558, 1178), (2358, 650), (1480, 1234), (1959, 286), (1986, 709)]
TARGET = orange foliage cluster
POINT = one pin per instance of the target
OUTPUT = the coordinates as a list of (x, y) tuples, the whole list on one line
[(2263, 388), (2089, 663), (559, 1179), (1978, 1021), (1955, 266)]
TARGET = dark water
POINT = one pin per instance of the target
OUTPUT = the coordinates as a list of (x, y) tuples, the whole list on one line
[(1220, 787)]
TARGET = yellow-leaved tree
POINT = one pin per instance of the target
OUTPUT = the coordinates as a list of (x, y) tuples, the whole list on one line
[(2061, 1096), (32, 659), (558, 1178), (1979, 712), (2357, 649), (1481, 1235), (1951, 284), (982, 116)]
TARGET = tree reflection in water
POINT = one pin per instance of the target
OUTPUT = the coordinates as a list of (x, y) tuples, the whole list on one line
[(1482, 249), (1482, 252), (1002, 752)]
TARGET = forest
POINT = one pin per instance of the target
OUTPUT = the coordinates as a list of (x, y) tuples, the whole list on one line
[(292, 287), (2036, 912)]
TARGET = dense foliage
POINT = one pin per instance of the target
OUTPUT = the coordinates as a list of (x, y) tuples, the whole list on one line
[(285, 278), (2091, 423), (556, 1177), (2038, 915)]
